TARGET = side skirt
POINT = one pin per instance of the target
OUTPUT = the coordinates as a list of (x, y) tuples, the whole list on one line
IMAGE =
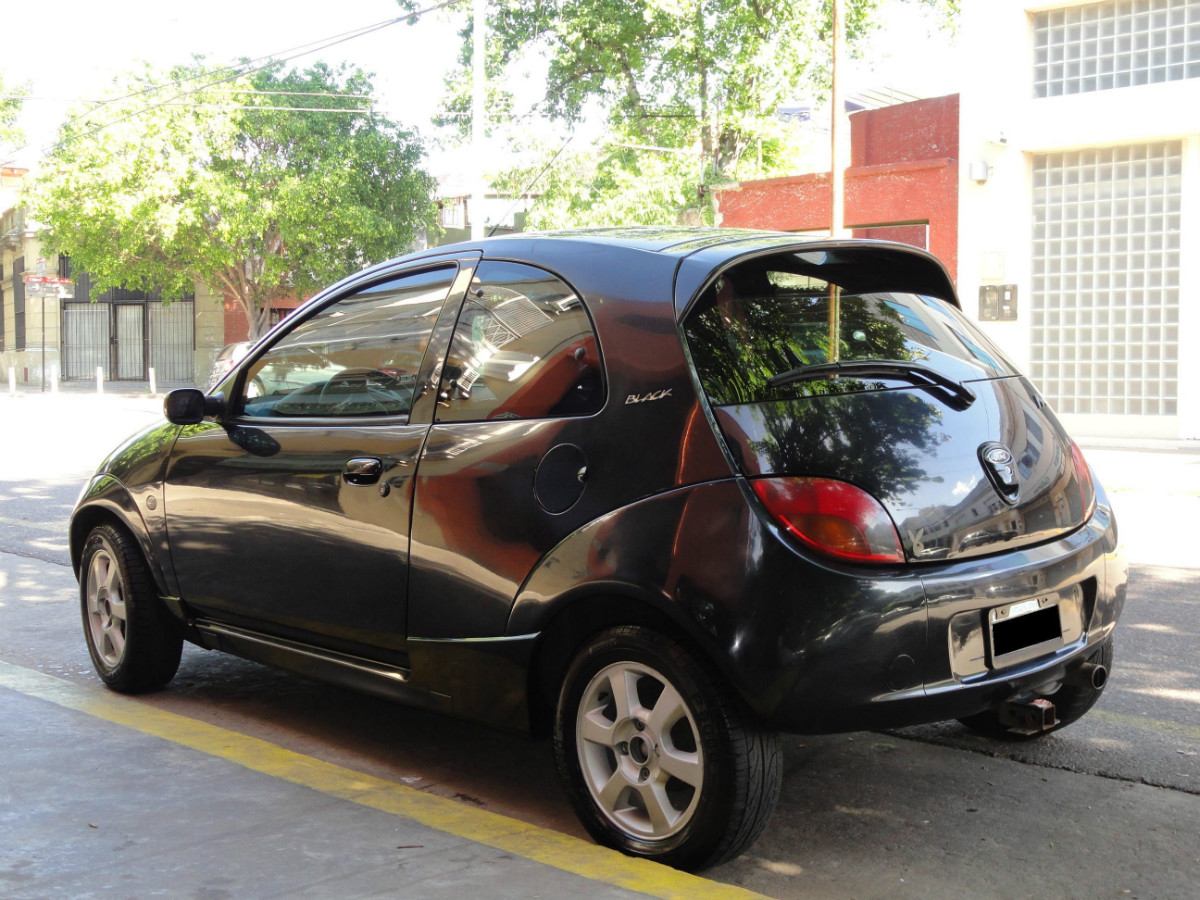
[(358, 673)]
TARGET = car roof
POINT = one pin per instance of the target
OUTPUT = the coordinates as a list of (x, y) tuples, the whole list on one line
[(696, 254), (672, 240)]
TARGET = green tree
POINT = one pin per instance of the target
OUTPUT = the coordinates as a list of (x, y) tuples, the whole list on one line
[(214, 182), (604, 186), (10, 108), (702, 76)]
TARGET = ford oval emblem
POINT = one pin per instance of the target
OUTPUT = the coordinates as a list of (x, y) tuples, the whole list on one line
[(1001, 470), (998, 456)]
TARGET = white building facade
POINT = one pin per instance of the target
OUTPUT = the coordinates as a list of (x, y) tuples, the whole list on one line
[(1079, 204)]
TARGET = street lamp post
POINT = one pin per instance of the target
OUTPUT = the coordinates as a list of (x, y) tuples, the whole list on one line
[(39, 284)]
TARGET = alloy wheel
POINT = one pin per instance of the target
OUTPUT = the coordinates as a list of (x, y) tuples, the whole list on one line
[(639, 750), (107, 616)]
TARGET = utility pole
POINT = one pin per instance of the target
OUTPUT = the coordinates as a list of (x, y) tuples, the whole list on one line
[(836, 125), (478, 86), (837, 175)]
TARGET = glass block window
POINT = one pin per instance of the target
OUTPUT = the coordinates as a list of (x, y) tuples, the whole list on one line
[(1101, 46), (1105, 295)]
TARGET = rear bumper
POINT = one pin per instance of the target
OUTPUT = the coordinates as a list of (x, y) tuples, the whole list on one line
[(951, 669)]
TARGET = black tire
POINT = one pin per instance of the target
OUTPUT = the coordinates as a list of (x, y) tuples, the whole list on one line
[(741, 764), (148, 656), (1071, 703)]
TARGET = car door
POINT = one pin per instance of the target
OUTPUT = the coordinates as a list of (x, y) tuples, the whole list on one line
[(291, 514), (513, 461)]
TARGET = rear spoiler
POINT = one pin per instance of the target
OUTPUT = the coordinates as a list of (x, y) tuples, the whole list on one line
[(858, 265)]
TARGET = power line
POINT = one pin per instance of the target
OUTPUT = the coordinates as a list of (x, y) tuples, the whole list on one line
[(536, 178), (268, 58), (348, 110), (241, 70), (233, 91)]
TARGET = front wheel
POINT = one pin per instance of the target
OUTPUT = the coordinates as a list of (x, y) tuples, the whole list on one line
[(134, 644), (659, 758)]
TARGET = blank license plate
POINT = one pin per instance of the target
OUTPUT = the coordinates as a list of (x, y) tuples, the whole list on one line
[(1031, 626)]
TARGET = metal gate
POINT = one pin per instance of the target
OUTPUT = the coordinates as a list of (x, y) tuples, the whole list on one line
[(85, 344), (171, 341), (129, 341), (125, 339)]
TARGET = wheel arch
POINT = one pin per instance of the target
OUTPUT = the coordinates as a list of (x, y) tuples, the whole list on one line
[(649, 563), (574, 619), (107, 500)]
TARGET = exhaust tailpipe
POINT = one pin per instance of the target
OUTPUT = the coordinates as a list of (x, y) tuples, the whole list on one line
[(1092, 674)]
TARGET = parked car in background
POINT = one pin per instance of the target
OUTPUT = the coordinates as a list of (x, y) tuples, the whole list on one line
[(659, 494), (226, 360)]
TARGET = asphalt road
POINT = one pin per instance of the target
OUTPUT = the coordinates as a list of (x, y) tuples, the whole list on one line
[(1108, 807)]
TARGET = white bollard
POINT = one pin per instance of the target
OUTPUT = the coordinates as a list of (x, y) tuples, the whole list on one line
[(99, 379), (153, 386), (54, 379), (12, 380)]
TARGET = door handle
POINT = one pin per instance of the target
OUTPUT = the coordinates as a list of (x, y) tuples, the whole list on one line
[(362, 470)]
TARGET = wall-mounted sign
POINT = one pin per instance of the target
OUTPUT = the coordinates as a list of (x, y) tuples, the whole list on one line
[(997, 302)]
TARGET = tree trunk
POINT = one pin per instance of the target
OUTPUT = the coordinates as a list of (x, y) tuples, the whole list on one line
[(234, 283)]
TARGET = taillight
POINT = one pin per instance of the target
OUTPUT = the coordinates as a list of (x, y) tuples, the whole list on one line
[(833, 517), (1083, 477)]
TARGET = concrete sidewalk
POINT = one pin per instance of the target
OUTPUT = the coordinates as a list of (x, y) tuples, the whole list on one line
[(86, 389), (95, 803), (93, 809)]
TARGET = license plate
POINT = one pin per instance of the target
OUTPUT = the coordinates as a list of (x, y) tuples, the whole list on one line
[(1024, 630), (1021, 608)]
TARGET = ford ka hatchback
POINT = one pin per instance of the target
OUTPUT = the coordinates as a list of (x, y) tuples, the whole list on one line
[(659, 494)]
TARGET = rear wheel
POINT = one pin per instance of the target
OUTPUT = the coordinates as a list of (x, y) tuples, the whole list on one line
[(659, 758), (134, 644), (1071, 702)]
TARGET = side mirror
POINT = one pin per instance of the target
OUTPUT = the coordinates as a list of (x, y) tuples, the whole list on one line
[(187, 406)]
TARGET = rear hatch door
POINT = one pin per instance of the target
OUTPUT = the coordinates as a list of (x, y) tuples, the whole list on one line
[(832, 365)]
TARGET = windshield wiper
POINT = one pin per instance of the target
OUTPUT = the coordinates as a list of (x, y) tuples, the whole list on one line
[(949, 391)]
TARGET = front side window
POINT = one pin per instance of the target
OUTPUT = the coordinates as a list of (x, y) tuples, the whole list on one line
[(523, 348), (359, 356)]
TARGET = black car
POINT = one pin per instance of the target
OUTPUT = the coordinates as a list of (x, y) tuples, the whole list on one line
[(658, 493)]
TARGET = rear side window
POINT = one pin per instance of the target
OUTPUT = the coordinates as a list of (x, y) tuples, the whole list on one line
[(765, 318), (523, 348)]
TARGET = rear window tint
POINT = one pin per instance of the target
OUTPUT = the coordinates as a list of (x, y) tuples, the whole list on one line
[(764, 318)]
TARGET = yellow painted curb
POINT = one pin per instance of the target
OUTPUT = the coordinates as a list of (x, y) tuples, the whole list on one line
[(541, 845)]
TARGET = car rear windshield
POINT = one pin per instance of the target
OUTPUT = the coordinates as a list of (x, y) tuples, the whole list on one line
[(768, 317)]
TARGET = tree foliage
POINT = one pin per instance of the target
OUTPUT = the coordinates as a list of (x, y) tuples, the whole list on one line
[(10, 108), (169, 186), (702, 76)]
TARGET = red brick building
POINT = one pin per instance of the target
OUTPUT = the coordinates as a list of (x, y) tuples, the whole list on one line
[(237, 328), (902, 183)]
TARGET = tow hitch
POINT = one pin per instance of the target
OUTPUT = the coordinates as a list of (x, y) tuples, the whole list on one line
[(1028, 717)]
